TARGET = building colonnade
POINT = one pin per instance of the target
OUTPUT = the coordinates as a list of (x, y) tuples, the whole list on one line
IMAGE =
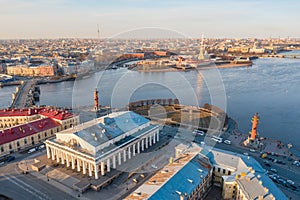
[(87, 164)]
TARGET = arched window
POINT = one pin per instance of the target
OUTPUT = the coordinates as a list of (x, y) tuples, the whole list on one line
[(18, 143), (25, 141), (10, 147)]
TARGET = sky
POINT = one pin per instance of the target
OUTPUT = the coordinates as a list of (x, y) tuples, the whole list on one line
[(32, 19)]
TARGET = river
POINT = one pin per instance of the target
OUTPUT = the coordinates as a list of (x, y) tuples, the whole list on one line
[(270, 87)]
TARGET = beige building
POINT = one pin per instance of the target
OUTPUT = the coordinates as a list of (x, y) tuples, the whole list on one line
[(22, 128), (24, 70), (97, 146)]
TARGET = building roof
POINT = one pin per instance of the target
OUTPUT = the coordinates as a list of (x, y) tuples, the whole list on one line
[(44, 111), (112, 126), (56, 113), (28, 129), (179, 177), (184, 181), (244, 164), (18, 112)]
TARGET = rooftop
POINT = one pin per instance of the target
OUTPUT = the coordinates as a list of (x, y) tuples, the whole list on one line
[(28, 129), (179, 177), (18, 112)]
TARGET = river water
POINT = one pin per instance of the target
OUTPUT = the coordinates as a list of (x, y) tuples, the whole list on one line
[(270, 87)]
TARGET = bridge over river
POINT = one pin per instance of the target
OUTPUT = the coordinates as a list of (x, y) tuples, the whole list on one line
[(25, 94)]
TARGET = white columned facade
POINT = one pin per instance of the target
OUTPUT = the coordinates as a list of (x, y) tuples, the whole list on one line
[(78, 165), (119, 158), (67, 160), (73, 162), (52, 154), (150, 141), (146, 142), (108, 165), (62, 157), (96, 171), (129, 152), (114, 162), (48, 152), (57, 155), (138, 147), (142, 144), (124, 155), (133, 150), (90, 169), (102, 168), (157, 136), (83, 167)]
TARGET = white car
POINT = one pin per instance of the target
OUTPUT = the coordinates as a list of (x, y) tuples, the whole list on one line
[(42, 146), (252, 150), (227, 141), (246, 154), (291, 182), (202, 143), (273, 170), (31, 150)]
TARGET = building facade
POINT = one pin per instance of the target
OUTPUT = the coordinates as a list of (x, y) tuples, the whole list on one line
[(22, 128), (98, 146)]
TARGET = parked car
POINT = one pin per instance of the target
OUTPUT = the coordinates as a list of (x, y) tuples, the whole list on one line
[(227, 142), (246, 154), (10, 158), (31, 150), (273, 170), (252, 150)]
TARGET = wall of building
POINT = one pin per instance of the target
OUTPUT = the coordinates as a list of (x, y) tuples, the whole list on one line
[(28, 141), (10, 121), (31, 71)]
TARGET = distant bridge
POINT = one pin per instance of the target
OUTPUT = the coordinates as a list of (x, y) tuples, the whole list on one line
[(25, 94)]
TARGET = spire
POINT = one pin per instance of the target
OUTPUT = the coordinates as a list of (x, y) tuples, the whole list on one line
[(201, 53)]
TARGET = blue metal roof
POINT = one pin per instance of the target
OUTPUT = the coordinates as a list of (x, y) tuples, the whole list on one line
[(180, 181), (121, 124)]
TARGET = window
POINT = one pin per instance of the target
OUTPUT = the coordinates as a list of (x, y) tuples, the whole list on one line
[(46, 133), (32, 138), (229, 172), (2, 149), (224, 171), (10, 147), (25, 141), (18, 143), (219, 169), (39, 137)]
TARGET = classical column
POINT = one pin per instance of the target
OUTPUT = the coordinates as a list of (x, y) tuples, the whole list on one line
[(73, 162), (129, 152), (143, 145), (102, 168), (90, 169), (154, 138), (114, 161), (57, 155), (108, 165), (150, 140), (138, 147), (52, 154), (146, 142), (96, 171), (133, 150), (62, 158), (157, 137), (83, 167), (48, 152), (124, 155), (119, 158), (78, 165), (67, 160)]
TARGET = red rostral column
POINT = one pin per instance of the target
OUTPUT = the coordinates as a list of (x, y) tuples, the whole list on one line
[(96, 100), (255, 120)]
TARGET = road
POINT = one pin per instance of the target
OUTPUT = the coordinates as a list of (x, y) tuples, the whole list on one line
[(22, 100), (18, 186)]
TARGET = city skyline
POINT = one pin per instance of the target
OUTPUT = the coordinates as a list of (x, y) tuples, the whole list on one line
[(65, 19)]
